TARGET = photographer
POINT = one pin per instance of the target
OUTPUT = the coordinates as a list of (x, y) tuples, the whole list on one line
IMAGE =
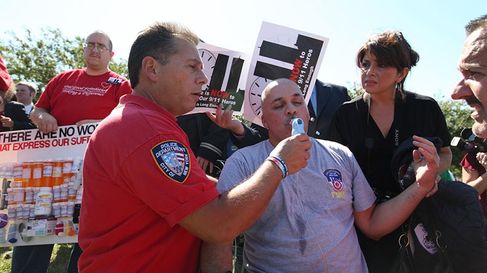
[(473, 89), (473, 173), (474, 163)]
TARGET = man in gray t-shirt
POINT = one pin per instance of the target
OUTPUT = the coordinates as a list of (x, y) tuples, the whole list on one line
[(308, 225)]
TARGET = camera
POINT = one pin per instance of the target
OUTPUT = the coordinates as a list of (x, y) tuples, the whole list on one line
[(468, 142)]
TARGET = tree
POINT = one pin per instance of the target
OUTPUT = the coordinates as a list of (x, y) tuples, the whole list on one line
[(457, 117), (38, 58)]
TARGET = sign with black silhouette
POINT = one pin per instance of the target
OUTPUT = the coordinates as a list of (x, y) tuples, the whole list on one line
[(224, 70), (282, 52)]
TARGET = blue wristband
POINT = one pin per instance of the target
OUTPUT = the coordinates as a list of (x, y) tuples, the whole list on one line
[(279, 163)]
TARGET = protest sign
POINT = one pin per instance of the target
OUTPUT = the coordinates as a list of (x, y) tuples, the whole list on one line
[(282, 52), (225, 71), (40, 175)]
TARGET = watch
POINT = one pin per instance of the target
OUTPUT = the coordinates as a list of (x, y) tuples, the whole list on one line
[(209, 61), (255, 94)]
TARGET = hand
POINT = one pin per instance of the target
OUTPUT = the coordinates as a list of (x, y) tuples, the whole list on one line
[(294, 150), (205, 164), (482, 159), (85, 121), (45, 122), (426, 164), (6, 122), (225, 119)]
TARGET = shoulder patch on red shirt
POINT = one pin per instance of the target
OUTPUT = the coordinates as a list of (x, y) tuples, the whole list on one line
[(172, 158)]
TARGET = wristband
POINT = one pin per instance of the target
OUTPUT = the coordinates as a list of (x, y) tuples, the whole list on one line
[(279, 163)]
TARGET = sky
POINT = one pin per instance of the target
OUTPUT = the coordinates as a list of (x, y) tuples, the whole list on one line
[(435, 29)]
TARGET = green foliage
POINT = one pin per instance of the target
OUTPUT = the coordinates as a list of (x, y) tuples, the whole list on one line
[(39, 57), (355, 90), (457, 117)]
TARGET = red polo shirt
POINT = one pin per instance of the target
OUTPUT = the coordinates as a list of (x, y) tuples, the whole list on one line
[(74, 95), (140, 180)]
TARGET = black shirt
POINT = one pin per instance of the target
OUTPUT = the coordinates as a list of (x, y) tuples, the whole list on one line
[(353, 126)]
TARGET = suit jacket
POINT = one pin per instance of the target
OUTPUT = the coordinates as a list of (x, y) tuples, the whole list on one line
[(329, 97), (207, 139), (16, 112)]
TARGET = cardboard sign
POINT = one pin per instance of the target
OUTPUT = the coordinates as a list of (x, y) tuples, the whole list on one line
[(282, 52)]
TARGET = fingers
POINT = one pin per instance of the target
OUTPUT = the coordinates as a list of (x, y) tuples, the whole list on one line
[(201, 162), (210, 167), (482, 158), (426, 149)]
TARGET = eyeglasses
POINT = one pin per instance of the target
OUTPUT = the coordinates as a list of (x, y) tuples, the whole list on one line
[(92, 46)]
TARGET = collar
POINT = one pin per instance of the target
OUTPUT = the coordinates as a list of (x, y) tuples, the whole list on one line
[(146, 104)]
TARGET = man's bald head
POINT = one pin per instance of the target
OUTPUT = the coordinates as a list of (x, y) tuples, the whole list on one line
[(277, 86), (282, 100)]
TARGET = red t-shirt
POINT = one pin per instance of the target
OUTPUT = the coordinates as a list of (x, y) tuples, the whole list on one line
[(74, 95), (470, 162), (140, 179), (5, 79)]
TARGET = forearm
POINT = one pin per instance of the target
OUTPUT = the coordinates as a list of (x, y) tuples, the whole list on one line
[(480, 183), (234, 211), (445, 159), (216, 258), (389, 215)]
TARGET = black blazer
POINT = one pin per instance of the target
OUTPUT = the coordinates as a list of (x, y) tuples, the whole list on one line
[(329, 97), (16, 112)]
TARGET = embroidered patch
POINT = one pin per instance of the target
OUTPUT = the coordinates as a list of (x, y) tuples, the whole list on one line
[(334, 178), (172, 158)]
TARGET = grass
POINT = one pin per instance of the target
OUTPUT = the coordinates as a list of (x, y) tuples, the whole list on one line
[(59, 258)]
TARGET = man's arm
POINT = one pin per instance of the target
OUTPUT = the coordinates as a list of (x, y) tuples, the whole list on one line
[(5, 79), (213, 143), (43, 120), (382, 219), (234, 211), (473, 177), (216, 258), (241, 135)]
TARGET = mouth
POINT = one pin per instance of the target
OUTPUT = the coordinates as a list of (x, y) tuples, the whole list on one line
[(197, 95), (370, 82)]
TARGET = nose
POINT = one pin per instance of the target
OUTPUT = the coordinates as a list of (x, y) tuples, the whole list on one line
[(372, 69), (203, 78), (291, 110), (461, 91)]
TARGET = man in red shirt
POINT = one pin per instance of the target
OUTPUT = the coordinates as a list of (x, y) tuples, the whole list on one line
[(74, 97), (82, 95), (5, 79), (146, 203)]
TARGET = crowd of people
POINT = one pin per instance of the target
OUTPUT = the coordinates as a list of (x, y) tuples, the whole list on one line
[(173, 197)]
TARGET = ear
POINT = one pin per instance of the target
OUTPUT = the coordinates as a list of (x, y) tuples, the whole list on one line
[(402, 74), (264, 123), (149, 68)]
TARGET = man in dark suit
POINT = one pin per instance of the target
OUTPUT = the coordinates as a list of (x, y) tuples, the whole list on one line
[(325, 100), (12, 115)]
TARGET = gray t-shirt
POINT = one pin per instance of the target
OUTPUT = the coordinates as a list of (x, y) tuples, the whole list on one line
[(308, 225)]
